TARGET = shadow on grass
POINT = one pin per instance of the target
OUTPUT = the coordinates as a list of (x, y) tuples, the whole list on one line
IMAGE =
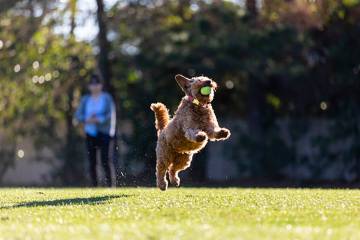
[(68, 201)]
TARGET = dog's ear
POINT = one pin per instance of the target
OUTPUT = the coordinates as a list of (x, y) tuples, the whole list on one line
[(183, 82)]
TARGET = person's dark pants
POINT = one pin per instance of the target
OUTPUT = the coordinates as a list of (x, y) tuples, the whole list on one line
[(101, 142)]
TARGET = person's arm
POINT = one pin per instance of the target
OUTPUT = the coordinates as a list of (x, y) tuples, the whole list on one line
[(80, 112)]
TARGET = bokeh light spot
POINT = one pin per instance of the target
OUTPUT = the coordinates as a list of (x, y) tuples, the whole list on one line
[(48, 77), (21, 153), (35, 79), (41, 79), (17, 68), (41, 50), (56, 74), (36, 65), (229, 84), (323, 106)]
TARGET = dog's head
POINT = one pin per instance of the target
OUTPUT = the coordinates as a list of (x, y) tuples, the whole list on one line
[(192, 87)]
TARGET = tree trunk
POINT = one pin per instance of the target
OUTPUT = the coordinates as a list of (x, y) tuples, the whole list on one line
[(251, 8), (72, 170), (105, 69), (103, 61)]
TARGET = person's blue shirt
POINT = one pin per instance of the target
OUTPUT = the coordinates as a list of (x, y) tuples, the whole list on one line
[(102, 107), (95, 107)]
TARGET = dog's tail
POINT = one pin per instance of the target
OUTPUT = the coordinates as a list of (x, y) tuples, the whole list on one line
[(161, 115)]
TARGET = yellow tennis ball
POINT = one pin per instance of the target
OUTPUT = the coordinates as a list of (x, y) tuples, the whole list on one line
[(205, 90)]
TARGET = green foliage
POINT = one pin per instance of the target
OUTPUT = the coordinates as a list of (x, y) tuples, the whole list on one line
[(293, 60), (39, 82)]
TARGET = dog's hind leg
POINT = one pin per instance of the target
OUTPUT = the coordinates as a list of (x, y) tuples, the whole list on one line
[(161, 170), (163, 160), (181, 162)]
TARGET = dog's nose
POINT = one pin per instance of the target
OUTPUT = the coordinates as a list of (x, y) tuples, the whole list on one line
[(208, 82)]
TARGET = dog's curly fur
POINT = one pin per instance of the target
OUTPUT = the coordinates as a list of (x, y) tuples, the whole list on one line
[(193, 124)]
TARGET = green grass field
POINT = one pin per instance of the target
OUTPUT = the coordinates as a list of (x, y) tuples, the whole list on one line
[(140, 213)]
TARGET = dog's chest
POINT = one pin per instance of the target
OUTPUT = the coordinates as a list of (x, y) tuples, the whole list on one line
[(200, 118), (196, 119)]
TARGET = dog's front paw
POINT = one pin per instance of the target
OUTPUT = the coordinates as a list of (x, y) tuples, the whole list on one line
[(223, 134), (200, 137)]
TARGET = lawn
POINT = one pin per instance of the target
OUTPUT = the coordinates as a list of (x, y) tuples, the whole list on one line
[(185, 213)]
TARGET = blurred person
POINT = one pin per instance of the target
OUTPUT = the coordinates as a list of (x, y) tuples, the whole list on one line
[(97, 112)]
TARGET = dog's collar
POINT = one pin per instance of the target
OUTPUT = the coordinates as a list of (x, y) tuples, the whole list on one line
[(195, 101)]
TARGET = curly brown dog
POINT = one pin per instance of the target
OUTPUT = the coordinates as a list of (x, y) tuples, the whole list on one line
[(193, 124)]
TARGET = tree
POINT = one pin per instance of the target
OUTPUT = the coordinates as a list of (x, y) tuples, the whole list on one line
[(251, 7), (71, 171), (14, 35), (104, 47), (37, 85)]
